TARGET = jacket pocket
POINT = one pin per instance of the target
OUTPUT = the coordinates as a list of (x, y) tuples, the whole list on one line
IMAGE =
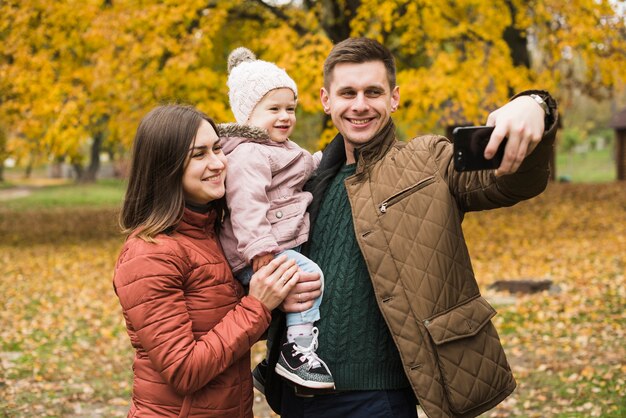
[(403, 194), (471, 360), (279, 214), (287, 222)]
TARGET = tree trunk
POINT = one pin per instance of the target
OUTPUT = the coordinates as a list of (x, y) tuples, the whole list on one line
[(29, 170), (90, 174), (79, 170), (1, 171), (94, 164), (335, 18)]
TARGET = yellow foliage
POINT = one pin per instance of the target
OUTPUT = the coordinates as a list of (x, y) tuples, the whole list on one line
[(71, 71)]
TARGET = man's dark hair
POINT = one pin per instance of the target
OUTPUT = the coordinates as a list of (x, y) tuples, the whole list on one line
[(358, 51)]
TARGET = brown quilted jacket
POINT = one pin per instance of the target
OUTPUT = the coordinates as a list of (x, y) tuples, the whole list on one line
[(190, 324), (407, 218)]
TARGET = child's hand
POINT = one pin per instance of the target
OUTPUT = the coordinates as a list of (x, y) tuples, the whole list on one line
[(260, 261)]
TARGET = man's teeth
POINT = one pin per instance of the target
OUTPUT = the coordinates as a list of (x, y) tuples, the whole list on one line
[(360, 121)]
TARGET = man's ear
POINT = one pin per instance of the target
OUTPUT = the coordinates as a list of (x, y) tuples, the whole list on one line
[(325, 98), (395, 98)]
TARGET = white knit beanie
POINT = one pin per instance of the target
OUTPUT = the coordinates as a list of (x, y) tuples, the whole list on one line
[(250, 79)]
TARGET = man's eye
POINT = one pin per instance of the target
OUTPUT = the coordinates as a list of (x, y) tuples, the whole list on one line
[(347, 94), (373, 93)]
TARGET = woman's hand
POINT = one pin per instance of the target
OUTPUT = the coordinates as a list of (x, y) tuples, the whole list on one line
[(302, 296), (272, 282)]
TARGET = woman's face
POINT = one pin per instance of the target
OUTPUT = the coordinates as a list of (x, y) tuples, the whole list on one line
[(203, 179)]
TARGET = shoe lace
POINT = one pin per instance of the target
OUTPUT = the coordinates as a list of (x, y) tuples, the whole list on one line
[(309, 355)]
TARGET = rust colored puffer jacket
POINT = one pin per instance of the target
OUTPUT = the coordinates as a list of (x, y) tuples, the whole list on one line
[(190, 324)]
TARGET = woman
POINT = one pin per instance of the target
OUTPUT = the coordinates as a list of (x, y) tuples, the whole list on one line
[(188, 319)]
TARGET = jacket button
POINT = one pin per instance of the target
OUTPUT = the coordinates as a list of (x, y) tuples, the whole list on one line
[(279, 214), (427, 322)]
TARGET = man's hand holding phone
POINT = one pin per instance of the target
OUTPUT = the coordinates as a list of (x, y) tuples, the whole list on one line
[(522, 121)]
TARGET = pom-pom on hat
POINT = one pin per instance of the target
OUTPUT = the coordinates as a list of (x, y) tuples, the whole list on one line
[(249, 79)]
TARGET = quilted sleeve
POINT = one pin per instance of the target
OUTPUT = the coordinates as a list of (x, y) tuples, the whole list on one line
[(249, 175), (150, 290), (480, 190)]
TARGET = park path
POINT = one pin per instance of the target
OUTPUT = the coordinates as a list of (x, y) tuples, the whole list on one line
[(14, 193)]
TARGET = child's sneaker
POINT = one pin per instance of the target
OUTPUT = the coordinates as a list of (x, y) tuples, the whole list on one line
[(302, 366)]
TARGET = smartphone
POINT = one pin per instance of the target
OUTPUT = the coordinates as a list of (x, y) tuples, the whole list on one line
[(469, 149)]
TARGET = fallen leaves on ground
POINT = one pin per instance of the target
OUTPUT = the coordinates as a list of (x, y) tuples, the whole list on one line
[(64, 349), (567, 346)]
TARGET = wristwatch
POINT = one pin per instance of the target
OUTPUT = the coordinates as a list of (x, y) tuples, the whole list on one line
[(541, 103)]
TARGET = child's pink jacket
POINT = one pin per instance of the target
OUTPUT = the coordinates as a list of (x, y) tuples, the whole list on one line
[(266, 204)]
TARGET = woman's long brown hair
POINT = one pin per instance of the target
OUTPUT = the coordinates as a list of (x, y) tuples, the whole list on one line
[(154, 200)]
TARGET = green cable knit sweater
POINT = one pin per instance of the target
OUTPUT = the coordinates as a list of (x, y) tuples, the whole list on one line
[(354, 340)]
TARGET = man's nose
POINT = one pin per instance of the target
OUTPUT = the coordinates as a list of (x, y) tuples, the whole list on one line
[(360, 103)]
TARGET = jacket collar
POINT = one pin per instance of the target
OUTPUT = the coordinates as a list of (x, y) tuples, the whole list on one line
[(197, 225), (365, 155), (371, 152), (233, 134)]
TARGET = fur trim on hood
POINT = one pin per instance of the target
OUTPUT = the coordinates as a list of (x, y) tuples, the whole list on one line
[(233, 134)]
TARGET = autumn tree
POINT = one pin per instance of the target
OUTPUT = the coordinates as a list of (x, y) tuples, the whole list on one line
[(76, 79), (43, 64), (457, 59), (82, 77)]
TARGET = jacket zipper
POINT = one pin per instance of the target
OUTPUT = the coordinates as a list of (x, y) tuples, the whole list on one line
[(390, 201)]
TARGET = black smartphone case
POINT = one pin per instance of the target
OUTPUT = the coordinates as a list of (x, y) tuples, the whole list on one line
[(469, 149)]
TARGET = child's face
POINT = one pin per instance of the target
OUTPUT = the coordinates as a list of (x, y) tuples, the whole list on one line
[(276, 113), (203, 179)]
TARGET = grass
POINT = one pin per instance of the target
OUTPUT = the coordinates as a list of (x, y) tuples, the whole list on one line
[(596, 166), (104, 193)]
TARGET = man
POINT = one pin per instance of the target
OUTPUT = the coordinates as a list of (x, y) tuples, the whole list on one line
[(402, 317)]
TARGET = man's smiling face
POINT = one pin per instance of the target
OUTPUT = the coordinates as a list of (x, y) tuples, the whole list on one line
[(359, 101)]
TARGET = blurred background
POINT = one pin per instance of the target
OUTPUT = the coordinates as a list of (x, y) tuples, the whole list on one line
[(76, 78)]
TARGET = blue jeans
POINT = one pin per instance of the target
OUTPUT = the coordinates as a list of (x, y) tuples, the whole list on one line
[(295, 318)]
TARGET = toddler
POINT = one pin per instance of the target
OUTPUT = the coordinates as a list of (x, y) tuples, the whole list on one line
[(266, 203)]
